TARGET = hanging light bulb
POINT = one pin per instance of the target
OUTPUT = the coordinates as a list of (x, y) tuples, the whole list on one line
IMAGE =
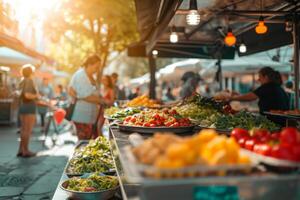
[(154, 52), (193, 16), (243, 48), (230, 39), (261, 28), (173, 35)]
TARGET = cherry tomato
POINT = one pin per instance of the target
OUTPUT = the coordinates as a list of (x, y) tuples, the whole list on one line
[(275, 151), (127, 119), (249, 144), (263, 149), (284, 151), (176, 124), (147, 124), (242, 141), (275, 136), (168, 123), (289, 135), (261, 133), (133, 119), (152, 125), (239, 133), (265, 139), (296, 151)]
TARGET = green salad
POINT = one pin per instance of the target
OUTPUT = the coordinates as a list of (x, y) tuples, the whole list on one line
[(244, 120), (204, 116), (95, 157), (122, 114), (93, 183), (110, 111)]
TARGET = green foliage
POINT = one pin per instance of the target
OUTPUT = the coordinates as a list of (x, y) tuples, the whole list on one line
[(79, 27)]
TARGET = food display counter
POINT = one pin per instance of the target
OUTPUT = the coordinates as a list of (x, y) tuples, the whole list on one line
[(194, 151), (259, 185)]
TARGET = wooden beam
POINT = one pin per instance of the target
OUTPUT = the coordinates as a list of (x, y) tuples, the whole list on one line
[(162, 25)]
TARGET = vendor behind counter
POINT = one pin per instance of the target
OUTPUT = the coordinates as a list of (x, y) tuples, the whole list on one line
[(270, 94)]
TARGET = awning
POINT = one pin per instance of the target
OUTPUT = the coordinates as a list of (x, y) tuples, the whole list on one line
[(156, 17), (11, 57), (17, 45)]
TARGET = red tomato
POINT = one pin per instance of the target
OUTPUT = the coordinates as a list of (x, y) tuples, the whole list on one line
[(261, 133), (265, 139), (263, 149), (296, 151), (152, 121), (152, 125), (173, 112), (133, 119), (156, 116), (176, 124), (289, 135), (239, 133), (249, 144), (168, 123), (147, 124), (127, 119), (242, 141), (285, 151), (275, 136), (275, 151)]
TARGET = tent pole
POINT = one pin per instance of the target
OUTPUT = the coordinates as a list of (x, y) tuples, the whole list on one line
[(296, 59), (152, 69)]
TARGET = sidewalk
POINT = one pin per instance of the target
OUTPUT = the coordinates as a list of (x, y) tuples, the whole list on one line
[(32, 178)]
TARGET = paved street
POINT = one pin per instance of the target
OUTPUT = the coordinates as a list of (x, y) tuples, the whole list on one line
[(32, 178)]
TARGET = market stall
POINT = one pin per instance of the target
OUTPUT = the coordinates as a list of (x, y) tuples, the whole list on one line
[(192, 150), (8, 104)]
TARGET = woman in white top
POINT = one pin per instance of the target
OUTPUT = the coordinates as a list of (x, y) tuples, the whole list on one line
[(84, 88)]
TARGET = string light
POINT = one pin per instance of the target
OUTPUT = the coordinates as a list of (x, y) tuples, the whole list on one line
[(173, 35), (193, 16), (261, 28), (230, 39), (154, 52), (243, 48)]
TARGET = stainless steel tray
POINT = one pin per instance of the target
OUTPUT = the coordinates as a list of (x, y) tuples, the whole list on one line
[(270, 161), (81, 144), (103, 195), (151, 130), (137, 172)]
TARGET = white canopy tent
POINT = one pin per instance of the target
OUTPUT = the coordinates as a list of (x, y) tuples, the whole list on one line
[(244, 65), (11, 57), (174, 71)]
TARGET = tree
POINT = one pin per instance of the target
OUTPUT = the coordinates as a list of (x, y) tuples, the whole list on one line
[(79, 27), (7, 23)]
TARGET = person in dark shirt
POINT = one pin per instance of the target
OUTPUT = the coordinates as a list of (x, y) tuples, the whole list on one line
[(270, 95)]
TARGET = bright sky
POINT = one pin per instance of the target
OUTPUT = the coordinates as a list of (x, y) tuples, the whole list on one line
[(26, 9)]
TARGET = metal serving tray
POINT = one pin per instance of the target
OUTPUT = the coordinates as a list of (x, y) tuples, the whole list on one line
[(137, 172), (79, 145), (151, 130)]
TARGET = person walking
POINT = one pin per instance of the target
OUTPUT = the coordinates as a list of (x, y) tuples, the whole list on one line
[(27, 109), (46, 93)]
